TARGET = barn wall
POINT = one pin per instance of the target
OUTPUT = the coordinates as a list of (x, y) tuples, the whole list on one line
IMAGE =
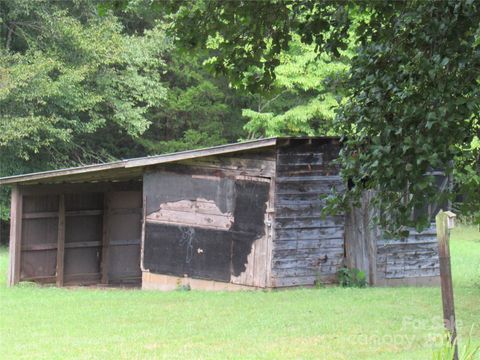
[(409, 261), (206, 219), (306, 247)]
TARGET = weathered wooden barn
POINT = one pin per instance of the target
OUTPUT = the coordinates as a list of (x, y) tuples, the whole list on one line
[(240, 216)]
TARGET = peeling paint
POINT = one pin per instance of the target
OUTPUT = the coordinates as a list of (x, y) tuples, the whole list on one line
[(201, 213)]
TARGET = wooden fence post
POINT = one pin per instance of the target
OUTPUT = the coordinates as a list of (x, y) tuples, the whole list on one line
[(445, 222)]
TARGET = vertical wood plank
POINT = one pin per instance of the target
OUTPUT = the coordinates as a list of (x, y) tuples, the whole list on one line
[(373, 235), (61, 239), (270, 233), (361, 238), (105, 237), (15, 237), (142, 241)]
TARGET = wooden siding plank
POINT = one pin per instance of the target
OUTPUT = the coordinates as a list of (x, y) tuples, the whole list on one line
[(308, 222), (84, 188), (313, 233), (54, 214), (309, 158), (72, 245), (256, 167), (40, 215)]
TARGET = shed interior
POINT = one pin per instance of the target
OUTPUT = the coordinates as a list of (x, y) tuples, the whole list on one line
[(80, 234)]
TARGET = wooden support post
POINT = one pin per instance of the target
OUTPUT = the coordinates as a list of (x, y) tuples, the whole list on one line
[(361, 237), (144, 225), (15, 237), (105, 238), (61, 240), (444, 222)]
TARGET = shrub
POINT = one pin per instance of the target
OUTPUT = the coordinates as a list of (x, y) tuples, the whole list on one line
[(352, 277)]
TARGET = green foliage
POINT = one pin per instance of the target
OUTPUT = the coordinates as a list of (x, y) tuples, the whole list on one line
[(467, 180), (299, 101), (352, 277), (447, 350), (412, 103), (412, 91), (199, 111), (64, 77)]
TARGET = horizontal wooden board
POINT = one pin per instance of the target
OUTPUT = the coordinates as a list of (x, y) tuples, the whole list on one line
[(304, 199), (319, 271), (311, 260), (315, 188), (309, 158), (254, 167), (295, 170), (294, 244), (335, 246), (303, 280), (314, 233), (307, 222), (311, 179)]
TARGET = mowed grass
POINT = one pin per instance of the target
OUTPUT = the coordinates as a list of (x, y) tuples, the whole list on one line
[(325, 323)]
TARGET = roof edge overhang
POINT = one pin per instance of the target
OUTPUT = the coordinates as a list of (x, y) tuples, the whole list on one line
[(69, 174)]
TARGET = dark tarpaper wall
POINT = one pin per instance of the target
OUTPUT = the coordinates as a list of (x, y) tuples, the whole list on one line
[(201, 226)]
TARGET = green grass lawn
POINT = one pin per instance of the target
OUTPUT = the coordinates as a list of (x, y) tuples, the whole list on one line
[(326, 323)]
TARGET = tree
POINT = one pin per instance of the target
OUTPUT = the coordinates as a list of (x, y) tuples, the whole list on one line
[(303, 97), (67, 74), (199, 110), (412, 100)]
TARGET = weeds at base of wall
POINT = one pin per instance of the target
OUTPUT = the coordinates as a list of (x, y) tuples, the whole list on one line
[(352, 277), (182, 287)]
